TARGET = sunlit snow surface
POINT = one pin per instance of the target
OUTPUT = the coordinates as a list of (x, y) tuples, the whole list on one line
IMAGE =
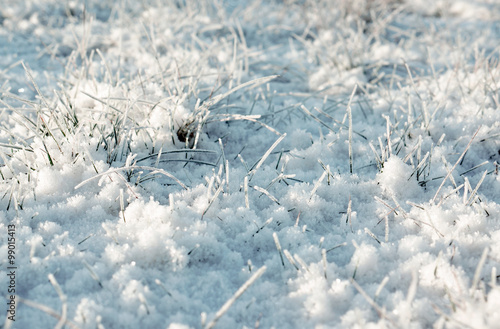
[(152, 188)]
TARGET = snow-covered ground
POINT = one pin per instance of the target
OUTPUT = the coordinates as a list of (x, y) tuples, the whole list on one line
[(261, 164)]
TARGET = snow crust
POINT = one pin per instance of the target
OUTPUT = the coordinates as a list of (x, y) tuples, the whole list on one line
[(251, 164)]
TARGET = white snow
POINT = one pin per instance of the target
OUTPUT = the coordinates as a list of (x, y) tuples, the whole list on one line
[(187, 164)]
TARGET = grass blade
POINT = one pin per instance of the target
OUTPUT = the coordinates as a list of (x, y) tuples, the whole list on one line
[(236, 295), (454, 166)]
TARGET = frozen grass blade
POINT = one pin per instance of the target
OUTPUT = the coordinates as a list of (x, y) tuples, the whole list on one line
[(388, 135), (280, 178), (190, 161), (318, 183), (316, 118), (301, 262), (349, 213), (323, 260), (122, 205), (417, 145), (380, 311), (64, 301), (467, 188), (266, 192), (456, 164), (79, 243), (117, 170), (278, 246), (47, 310), (373, 236), (340, 123), (448, 171), (412, 81), (473, 193), (253, 83), (267, 222), (171, 202), (383, 152), (452, 192), (477, 273), (158, 157), (210, 181), (493, 283), (155, 53), (380, 164), (297, 220), (412, 290), (243, 162), (290, 259), (225, 162), (10, 146), (327, 170), (264, 157), (32, 80), (337, 246), (35, 129), (108, 70), (237, 295), (92, 273), (419, 166), (103, 102), (386, 228), (159, 283), (7, 164), (381, 286), (474, 168), (349, 111), (245, 188), (143, 301), (235, 117), (216, 195)]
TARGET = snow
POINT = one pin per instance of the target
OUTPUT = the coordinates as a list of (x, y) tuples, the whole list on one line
[(192, 164)]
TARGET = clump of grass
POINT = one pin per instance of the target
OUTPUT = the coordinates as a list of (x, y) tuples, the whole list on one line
[(455, 165), (190, 130)]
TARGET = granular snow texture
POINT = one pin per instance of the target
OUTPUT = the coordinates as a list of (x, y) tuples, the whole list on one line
[(250, 164)]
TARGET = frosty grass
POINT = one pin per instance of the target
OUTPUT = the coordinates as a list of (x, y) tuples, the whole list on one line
[(225, 164)]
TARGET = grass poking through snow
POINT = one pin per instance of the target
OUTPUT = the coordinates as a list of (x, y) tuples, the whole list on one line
[(157, 158)]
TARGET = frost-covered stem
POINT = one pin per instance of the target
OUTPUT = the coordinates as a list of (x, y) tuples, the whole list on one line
[(47, 310), (238, 293), (349, 111), (380, 311), (479, 267), (264, 157), (266, 192), (63, 298), (349, 213), (290, 259), (386, 228), (216, 195), (456, 164), (323, 258), (318, 183), (278, 246), (122, 205), (116, 170), (245, 187), (473, 193), (301, 262), (388, 133)]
